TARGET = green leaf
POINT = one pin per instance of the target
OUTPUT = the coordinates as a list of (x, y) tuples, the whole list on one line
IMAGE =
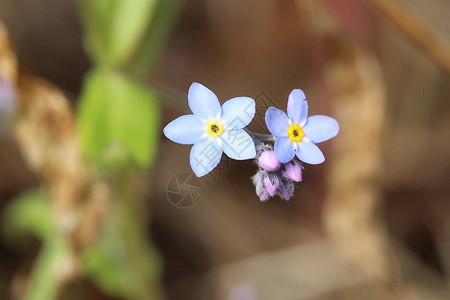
[(97, 16), (113, 28), (119, 120), (155, 37), (29, 213), (131, 19)]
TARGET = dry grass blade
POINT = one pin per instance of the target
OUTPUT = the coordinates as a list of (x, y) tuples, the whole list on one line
[(419, 33), (46, 133), (8, 61), (352, 214)]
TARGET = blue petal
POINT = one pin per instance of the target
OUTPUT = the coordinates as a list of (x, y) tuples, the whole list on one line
[(203, 102), (284, 149), (297, 108), (238, 112), (187, 129), (237, 144), (277, 121), (204, 157), (309, 153), (320, 128)]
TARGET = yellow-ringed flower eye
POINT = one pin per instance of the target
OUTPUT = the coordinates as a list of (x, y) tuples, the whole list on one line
[(214, 128), (295, 133)]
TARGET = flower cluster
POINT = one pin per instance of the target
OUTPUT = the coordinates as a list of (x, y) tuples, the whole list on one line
[(274, 177), (214, 129)]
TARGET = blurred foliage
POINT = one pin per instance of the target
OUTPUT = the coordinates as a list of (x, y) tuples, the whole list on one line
[(156, 35), (118, 124), (122, 262), (30, 213), (119, 128), (113, 28), (118, 115)]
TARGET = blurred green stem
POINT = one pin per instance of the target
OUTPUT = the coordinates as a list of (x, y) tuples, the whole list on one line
[(121, 117), (30, 213), (142, 259), (156, 35), (54, 259)]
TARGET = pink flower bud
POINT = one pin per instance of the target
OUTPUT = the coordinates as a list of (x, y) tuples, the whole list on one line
[(268, 161), (285, 195), (263, 196), (271, 187), (293, 171)]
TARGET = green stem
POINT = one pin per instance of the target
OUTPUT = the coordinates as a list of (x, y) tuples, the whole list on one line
[(142, 263), (157, 34), (45, 280)]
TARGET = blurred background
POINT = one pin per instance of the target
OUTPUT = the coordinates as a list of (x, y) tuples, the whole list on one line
[(87, 178)]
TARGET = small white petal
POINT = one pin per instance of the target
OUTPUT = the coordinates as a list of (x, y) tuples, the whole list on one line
[(297, 107), (205, 156), (238, 112), (309, 153), (187, 129), (277, 121), (320, 128), (203, 102), (284, 149), (237, 144)]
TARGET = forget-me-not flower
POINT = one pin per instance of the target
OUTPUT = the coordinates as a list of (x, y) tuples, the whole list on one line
[(297, 133), (213, 129)]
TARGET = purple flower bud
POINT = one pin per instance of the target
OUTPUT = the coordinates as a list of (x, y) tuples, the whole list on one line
[(285, 195), (268, 161), (263, 196), (268, 184), (286, 189), (271, 187), (259, 185), (293, 171)]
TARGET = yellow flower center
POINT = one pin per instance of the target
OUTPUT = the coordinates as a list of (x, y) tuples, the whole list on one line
[(295, 133), (214, 128)]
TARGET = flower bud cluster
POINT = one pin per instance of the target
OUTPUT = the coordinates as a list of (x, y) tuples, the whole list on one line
[(274, 177)]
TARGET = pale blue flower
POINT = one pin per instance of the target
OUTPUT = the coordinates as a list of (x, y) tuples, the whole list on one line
[(213, 129), (297, 133)]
